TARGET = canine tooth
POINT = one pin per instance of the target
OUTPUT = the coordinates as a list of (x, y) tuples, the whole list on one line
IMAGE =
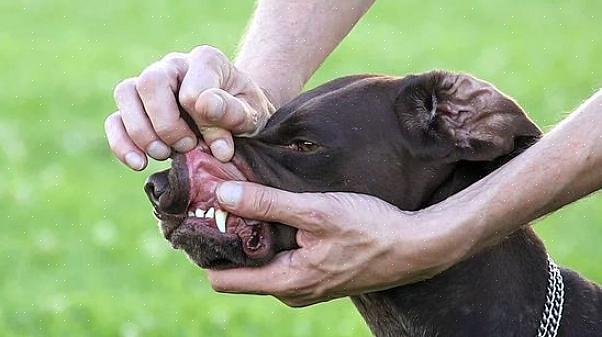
[(210, 213), (220, 220), (199, 213), (190, 213)]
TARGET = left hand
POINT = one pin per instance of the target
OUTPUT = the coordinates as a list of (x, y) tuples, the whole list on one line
[(219, 98), (349, 244)]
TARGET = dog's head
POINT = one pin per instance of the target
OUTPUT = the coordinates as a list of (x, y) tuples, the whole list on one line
[(410, 141)]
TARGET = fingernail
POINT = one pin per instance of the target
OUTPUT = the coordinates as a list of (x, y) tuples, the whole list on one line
[(229, 193), (216, 108), (185, 144), (158, 150), (221, 150), (135, 161)]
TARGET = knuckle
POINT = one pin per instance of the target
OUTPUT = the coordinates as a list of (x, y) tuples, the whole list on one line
[(319, 293), (264, 201), (111, 120), (209, 102), (138, 135), (150, 79), (188, 98), (208, 53), (111, 125), (311, 294), (165, 131), (294, 303), (315, 215), (173, 56), (314, 261), (294, 287), (287, 291), (326, 207), (122, 88), (204, 96), (210, 93)]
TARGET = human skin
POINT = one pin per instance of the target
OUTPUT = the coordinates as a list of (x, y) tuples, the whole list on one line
[(344, 248), (279, 54)]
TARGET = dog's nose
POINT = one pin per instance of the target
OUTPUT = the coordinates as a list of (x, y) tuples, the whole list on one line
[(155, 186)]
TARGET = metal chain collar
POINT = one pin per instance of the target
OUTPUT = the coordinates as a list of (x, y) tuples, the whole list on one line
[(552, 313)]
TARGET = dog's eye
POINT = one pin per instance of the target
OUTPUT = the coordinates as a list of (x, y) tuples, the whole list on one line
[(303, 146)]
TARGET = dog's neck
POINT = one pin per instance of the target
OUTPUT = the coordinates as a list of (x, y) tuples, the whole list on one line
[(499, 292)]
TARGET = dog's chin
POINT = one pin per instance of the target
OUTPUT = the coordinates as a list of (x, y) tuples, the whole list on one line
[(211, 237), (211, 249)]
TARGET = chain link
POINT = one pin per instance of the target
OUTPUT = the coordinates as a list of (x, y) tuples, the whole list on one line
[(552, 312)]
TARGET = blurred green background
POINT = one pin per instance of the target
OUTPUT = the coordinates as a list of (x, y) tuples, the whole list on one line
[(80, 254)]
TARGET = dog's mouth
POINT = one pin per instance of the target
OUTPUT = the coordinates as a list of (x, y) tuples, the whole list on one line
[(190, 217)]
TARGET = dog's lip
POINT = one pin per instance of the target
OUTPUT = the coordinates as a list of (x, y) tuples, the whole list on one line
[(250, 233), (174, 200), (197, 173), (188, 231), (174, 221)]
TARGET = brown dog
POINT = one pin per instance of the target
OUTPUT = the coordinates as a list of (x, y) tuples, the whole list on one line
[(411, 141)]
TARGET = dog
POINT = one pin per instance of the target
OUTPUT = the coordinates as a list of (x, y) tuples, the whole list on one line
[(411, 141)]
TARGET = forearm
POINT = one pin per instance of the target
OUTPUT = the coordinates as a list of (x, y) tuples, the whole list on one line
[(288, 40), (565, 165)]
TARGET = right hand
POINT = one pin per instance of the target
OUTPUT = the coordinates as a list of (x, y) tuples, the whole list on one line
[(344, 249), (220, 99)]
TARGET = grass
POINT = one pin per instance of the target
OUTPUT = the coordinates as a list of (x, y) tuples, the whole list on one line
[(80, 255)]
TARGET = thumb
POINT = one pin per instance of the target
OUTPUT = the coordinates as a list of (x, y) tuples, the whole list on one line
[(307, 211)]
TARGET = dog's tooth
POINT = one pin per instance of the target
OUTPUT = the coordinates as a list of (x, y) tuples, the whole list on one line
[(220, 220), (210, 213), (190, 213), (199, 213)]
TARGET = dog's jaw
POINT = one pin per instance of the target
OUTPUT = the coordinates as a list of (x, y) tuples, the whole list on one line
[(192, 219)]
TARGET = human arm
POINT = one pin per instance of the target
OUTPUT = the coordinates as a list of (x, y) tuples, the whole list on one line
[(351, 244), (564, 166), (285, 44), (288, 40)]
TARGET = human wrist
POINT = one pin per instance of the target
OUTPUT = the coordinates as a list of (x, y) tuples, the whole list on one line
[(488, 211), (484, 214), (581, 134), (452, 234), (438, 242), (287, 41), (278, 82)]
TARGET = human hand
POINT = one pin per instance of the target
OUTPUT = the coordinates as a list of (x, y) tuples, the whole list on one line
[(349, 244), (220, 99)]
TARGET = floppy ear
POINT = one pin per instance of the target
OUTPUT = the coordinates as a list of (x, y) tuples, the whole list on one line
[(455, 117)]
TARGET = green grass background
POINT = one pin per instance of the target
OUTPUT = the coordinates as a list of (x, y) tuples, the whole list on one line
[(80, 254)]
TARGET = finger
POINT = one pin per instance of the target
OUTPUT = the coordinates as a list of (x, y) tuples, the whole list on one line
[(307, 211), (156, 87), (218, 115), (220, 142), (121, 145), (136, 122), (275, 278), (205, 71), (216, 107), (281, 278)]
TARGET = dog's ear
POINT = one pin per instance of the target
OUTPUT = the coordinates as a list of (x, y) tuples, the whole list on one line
[(454, 117)]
